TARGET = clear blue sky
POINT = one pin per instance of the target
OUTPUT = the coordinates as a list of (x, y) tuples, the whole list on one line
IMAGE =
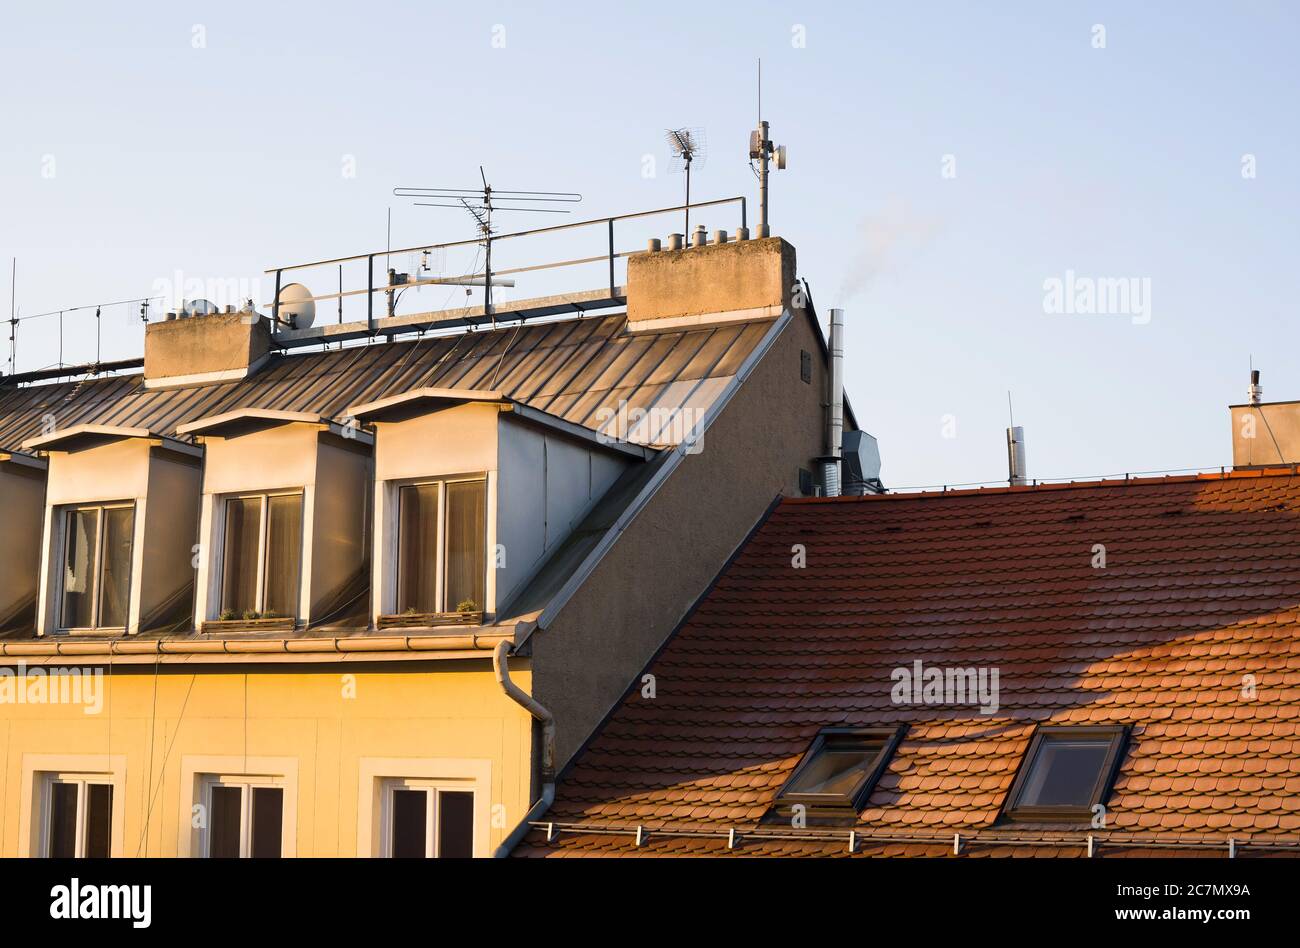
[(1125, 161)]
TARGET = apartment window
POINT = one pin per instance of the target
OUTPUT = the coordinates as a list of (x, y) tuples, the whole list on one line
[(1066, 772), (837, 773), (262, 557), (77, 817), (96, 585), (427, 820), (442, 546), (245, 817)]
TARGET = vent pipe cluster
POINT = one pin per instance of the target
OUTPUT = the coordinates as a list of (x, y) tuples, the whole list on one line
[(699, 239)]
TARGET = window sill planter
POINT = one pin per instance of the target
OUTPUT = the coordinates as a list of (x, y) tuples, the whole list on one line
[(278, 624), (429, 620)]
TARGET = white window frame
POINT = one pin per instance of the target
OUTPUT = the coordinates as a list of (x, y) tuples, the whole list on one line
[(32, 816), (263, 535), (449, 773), (432, 790), (440, 576), (246, 784), (192, 841), (66, 512), (81, 781)]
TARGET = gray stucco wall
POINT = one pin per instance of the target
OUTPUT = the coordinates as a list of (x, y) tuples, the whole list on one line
[(675, 547)]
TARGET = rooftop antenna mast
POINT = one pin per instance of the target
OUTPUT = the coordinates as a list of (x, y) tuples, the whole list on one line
[(480, 204), (13, 316), (687, 145), (762, 149)]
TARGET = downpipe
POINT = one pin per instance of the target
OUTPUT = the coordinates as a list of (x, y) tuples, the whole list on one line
[(501, 666)]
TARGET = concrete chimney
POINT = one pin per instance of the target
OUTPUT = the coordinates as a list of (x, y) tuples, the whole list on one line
[(218, 348), (1264, 434), (1017, 473), (709, 285)]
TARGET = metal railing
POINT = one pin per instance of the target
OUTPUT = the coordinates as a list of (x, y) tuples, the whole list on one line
[(611, 255)]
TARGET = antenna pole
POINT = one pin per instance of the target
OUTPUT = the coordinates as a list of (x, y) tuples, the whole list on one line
[(687, 235), (13, 322), (762, 158), (487, 242)]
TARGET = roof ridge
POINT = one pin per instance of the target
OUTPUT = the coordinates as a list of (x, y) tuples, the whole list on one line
[(1226, 474)]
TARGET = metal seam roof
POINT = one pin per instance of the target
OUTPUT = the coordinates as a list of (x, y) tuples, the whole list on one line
[(570, 368)]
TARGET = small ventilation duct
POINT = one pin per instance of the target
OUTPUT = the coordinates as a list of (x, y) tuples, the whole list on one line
[(1016, 472)]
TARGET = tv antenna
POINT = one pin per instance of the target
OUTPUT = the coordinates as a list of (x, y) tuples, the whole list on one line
[(687, 145), (762, 149), (480, 203)]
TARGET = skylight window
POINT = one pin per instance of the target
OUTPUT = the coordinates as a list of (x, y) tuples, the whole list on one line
[(835, 777), (1066, 772)]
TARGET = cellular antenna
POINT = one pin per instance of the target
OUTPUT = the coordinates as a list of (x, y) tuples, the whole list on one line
[(687, 145), (763, 150), (481, 204)]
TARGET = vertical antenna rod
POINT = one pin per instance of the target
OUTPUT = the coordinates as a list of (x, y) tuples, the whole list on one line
[(762, 149), (13, 321)]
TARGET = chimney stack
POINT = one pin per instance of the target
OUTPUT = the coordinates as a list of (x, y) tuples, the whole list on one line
[(1016, 473)]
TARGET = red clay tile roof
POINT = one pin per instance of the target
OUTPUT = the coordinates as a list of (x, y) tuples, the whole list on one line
[(1201, 588)]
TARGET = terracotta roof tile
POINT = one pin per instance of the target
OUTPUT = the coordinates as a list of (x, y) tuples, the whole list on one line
[(1201, 588)]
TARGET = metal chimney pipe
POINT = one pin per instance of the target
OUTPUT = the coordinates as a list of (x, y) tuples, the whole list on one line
[(835, 405), (1016, 470), (1255, 393)]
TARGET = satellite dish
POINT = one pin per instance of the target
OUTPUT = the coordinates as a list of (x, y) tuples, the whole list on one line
[(297, 308), (200, 308)]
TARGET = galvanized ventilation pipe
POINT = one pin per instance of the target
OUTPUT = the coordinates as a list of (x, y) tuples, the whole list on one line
[(1017, 472), (835, 412)]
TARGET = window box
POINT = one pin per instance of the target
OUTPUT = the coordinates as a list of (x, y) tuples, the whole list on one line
[(225, 626), (429, 620)]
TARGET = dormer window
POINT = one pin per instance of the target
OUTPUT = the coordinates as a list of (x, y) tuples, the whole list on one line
[(262, 555), (1067, 771), (442, 546), (96, 577)]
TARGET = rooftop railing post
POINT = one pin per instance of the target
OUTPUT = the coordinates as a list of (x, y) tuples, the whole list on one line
[(275, 303), (370, 296), (611, 258)]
